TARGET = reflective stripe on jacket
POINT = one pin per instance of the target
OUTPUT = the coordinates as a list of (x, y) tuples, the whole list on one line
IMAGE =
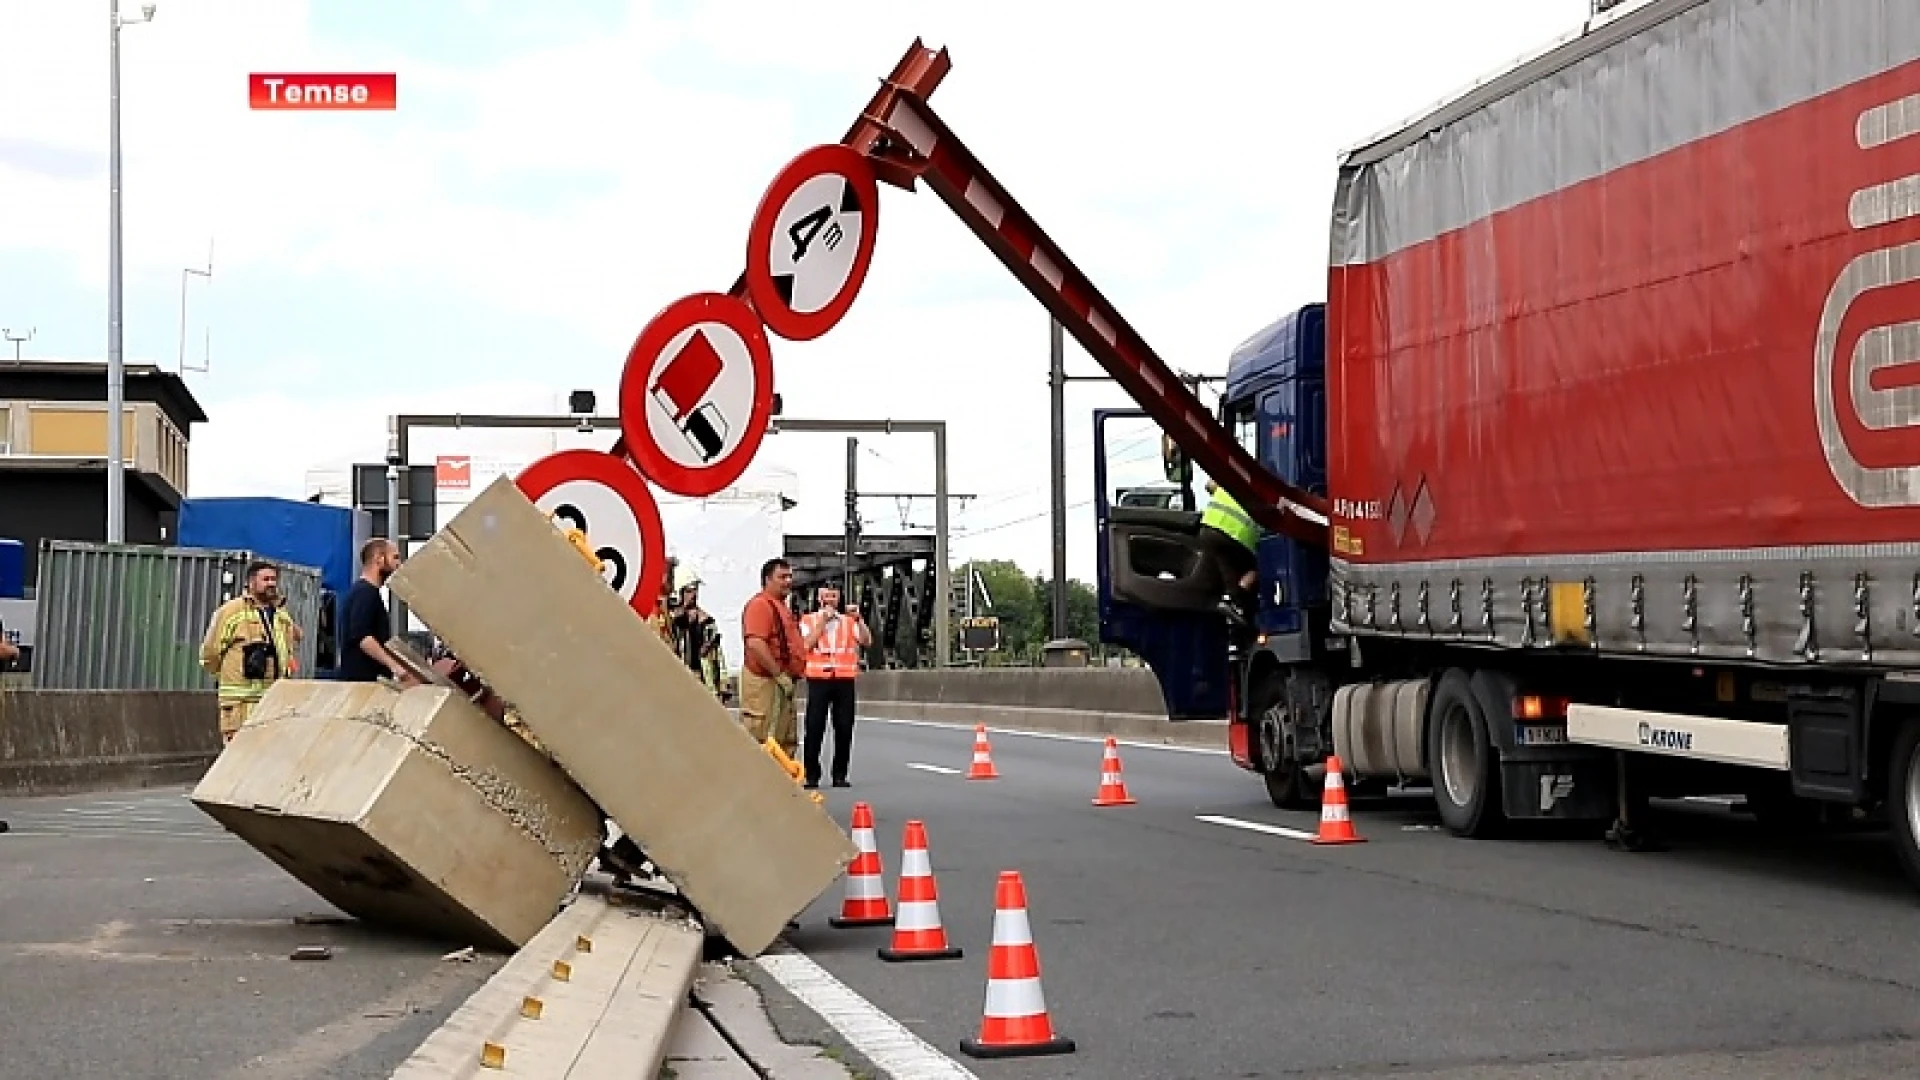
[(1224, 514), (835, 654), (714, 665), (235, 624)]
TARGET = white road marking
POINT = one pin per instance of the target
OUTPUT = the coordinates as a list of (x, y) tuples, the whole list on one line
[(941, 769), (1059, 736), (1256, 826), (882, 1039)]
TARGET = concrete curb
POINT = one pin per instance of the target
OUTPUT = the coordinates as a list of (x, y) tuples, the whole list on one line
[(1142, 727), (596, 993), (735, 1036)]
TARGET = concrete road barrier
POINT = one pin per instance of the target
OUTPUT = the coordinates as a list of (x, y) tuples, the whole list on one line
[(596, 993), (68, 741), (55, 742)]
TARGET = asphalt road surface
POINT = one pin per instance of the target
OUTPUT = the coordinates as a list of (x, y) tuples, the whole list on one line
[(138, 939), (1176, 948)]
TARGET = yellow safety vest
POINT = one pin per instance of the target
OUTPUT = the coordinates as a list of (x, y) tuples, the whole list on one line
[(1224, 514), (236, 623)]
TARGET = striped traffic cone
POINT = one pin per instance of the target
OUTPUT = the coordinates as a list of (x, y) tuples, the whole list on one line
[(1336, 826), (982, 767), (917, 933), (866, 899), (1015, 1022), (1113, 786)]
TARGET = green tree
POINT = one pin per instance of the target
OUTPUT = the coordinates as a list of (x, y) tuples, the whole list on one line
[(1024, 605), (1083, 610)]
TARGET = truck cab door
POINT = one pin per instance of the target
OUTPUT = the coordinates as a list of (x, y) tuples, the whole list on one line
[(1157, 595), (1290, 441)]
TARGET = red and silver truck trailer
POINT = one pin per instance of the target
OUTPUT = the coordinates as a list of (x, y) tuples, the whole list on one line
[(1621, 440), (1597, 476)]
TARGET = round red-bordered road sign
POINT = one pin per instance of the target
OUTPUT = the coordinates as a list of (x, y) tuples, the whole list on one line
[(696, 394), (602, 496), (812, 241)]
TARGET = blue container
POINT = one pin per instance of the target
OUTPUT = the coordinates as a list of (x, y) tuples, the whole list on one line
[(326, 538), (13, 569)]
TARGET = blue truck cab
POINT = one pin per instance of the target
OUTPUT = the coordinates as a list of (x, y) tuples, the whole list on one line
[(1159, 591)]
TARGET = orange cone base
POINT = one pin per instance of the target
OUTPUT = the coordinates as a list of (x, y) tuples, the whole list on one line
[(1059, 1044), (900, 956), (841, 922), (1107, 800), (1352, 838)]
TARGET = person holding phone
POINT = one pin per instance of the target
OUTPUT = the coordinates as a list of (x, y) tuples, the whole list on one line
[(833, 638)]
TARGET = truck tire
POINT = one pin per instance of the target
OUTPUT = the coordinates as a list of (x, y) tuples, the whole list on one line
[(1903, 798), (1465, 768), (1288, 785)]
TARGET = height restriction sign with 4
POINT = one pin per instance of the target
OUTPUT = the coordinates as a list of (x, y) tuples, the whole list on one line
[(812, 241)]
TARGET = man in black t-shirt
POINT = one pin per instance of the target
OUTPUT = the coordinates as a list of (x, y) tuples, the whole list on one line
[(366, 625)]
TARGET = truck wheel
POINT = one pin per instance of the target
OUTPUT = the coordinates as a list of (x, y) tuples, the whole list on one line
[(1288, 786), (1466, 771), (1903, 798)]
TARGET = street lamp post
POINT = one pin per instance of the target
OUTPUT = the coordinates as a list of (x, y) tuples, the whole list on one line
[(116, 364)]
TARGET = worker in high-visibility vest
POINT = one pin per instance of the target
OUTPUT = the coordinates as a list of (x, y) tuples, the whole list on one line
[(833, 638), (248, 647), (1232, 539)]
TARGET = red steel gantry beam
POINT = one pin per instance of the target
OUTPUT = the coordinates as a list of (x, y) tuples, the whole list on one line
[(919, 144), (907, 141)]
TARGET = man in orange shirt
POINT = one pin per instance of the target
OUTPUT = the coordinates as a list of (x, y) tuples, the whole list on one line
[(833, 640), (776, 657)]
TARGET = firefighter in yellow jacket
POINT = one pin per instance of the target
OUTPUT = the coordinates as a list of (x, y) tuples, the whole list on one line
[(249, 646)]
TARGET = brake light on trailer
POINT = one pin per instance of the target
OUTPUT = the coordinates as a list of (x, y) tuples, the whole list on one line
[(1536, 707)]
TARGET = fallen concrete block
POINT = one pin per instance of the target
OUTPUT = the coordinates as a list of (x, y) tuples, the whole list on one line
[(408, 808), (625, 718), (594, 994)]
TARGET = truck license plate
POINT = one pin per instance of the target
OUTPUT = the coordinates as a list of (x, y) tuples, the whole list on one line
[(1539, 734)]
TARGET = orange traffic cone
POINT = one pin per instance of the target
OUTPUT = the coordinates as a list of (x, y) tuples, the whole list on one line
[(1015, 1022), (1336, 827), (866, 899), (1113, 786), (917, 933), (982, 767)]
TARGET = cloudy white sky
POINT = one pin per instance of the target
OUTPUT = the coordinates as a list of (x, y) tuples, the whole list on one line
[(556, 173)]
